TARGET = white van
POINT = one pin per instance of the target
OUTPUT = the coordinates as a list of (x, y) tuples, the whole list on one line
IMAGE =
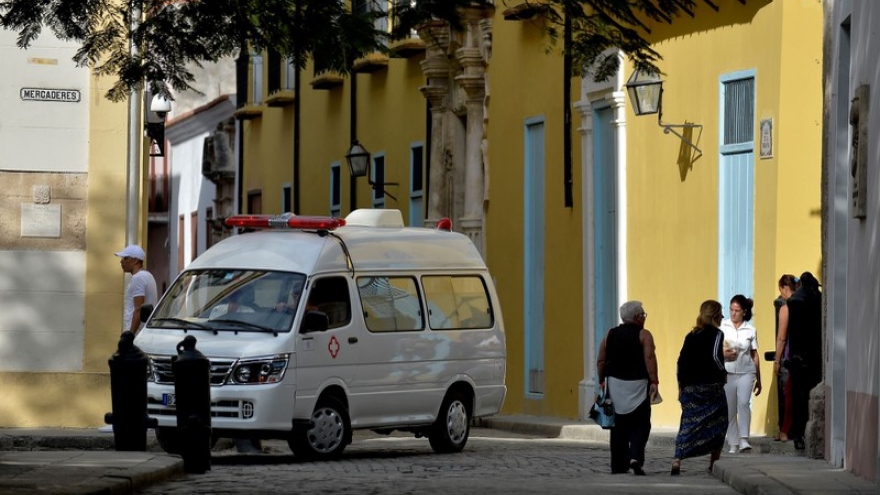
[(317, 326)]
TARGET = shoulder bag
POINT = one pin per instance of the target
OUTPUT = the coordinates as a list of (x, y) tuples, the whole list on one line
[(603, 409)]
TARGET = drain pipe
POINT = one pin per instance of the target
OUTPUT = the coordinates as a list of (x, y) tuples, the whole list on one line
[(134, 143)]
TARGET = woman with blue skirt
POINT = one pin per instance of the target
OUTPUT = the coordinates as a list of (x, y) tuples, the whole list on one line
[(701, 378)]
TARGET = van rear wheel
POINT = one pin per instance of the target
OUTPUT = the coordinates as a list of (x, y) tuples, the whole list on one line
[(327, 434), (451, 430)]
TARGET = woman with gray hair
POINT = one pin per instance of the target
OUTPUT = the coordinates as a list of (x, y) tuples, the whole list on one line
[(627, 359)]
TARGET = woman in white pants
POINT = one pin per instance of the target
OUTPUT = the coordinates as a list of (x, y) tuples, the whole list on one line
[(743, 374)]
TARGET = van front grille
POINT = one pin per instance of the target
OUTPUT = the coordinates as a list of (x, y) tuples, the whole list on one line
[(220, 369)]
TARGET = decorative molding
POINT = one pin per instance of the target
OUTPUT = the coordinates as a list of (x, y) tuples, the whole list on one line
[(327, 80), (407, 47), (370, 63), (248, 112), (525, 11), (281, 98)]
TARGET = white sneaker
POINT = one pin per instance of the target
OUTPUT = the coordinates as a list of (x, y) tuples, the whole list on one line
[(106, 429), (733, 449), (744, 446)]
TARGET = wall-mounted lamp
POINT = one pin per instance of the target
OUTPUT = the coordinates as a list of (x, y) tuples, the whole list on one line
[(646, 94), (155, 123), (358, 159)]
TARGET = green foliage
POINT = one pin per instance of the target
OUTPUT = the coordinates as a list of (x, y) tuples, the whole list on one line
[(599, 26), (171, 36)]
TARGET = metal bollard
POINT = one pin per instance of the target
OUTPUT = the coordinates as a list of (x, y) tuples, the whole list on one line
[(192, 390), (128, 390)]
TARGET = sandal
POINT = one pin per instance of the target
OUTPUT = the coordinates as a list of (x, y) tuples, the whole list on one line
[(676, 468), (714, 456)]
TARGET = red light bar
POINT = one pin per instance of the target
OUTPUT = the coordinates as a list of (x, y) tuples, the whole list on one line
[(284, 221), (249, 221)]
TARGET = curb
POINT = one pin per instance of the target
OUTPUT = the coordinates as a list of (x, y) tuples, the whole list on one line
[(661, 437), (61, 440)]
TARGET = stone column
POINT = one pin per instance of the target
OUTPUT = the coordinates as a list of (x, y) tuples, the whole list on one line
[(587, 385), (473, 82), (436, 68)]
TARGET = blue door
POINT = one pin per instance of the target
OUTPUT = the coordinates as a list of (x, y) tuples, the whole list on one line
[(533, 270), (605, 226), (736, 187)]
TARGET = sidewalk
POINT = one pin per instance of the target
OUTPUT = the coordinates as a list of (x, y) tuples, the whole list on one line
[(778, 470), (77, 462), (82, 461)]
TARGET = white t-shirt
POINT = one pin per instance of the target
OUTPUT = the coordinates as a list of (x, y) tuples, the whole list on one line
[(744, 340), (222, 309), (142, 284)]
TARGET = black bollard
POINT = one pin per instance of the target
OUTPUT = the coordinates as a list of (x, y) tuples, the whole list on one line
[(192, 390), (128, 390)]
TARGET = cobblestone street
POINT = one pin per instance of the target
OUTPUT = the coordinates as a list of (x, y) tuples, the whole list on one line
[(493, 462)]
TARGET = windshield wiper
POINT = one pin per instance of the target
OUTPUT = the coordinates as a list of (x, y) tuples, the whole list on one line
[(181, 321), (246, 324)]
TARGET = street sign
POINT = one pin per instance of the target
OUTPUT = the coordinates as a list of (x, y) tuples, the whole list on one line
[(41, 94)]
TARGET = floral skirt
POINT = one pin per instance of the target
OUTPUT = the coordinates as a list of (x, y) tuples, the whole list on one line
[(703, 420)]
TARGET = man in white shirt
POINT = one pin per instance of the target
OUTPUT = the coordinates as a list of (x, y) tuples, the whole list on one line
[(140, 291)]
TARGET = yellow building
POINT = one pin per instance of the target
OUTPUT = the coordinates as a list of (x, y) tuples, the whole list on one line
[(578, 214), (746, 211)]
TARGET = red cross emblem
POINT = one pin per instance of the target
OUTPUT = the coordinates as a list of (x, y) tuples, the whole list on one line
[(333, 347)]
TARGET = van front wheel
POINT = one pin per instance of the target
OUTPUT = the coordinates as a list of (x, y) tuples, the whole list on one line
[(450, 432), (327, 434)]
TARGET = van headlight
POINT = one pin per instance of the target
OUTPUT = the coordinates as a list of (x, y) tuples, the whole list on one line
[(260, 370)]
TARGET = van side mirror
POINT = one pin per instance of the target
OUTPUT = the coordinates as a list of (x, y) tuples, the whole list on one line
[(314, 321), (146, 311)]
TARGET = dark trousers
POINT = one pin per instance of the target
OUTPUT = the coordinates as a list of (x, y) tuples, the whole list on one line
[(802, 381), (629, 437)]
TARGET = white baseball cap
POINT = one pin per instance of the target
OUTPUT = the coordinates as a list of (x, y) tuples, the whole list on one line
[(132, 251)]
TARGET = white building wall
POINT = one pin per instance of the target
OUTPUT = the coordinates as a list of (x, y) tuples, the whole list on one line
[(43, 147), (47, 136), (852, 244), (190, 190)]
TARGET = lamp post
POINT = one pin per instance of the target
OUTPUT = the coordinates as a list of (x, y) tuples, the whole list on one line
[(358, 159), (645, 92), (646, 95)]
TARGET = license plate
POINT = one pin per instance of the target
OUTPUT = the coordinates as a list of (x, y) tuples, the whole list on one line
[(169, 400)]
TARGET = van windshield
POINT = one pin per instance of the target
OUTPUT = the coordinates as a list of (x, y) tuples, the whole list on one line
[(231, 300)]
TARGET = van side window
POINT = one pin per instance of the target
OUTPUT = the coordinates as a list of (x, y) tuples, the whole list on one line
[(330, 296), (391, 304), (457, 302)]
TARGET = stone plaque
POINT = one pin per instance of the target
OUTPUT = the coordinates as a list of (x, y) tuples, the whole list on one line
[(40, 220)]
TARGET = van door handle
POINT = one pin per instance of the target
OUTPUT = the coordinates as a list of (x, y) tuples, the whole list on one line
[(352, 340)]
